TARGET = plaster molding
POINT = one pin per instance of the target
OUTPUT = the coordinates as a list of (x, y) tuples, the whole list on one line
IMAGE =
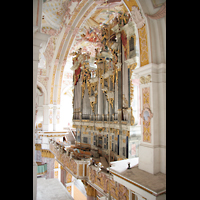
[(129, 29), (137, 17), (39, 38), (44, 91), (159, 14), (150, 69), (151, 145)]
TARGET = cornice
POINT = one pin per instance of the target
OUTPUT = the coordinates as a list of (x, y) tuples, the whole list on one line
[(149, 69)]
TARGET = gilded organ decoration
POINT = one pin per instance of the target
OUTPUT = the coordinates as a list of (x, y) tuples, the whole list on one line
[(110, 89)]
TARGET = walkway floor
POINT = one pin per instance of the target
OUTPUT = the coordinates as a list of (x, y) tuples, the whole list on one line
[(154, 182), (51, 189)]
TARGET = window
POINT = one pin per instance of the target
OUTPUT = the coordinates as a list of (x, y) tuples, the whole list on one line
[(100, 142), (123, 153), (85, 139), (131, 44), (112, 142), (94, 139), (116, 148), (107, 142)]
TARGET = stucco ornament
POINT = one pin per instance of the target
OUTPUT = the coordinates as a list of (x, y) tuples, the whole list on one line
[(146, 113), (137, 17)]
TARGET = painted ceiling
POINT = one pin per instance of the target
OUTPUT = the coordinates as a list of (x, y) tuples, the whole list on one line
[(82, 21), (88, 38), (58, 13)]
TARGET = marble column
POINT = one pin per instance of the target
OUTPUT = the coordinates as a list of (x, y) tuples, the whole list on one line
[(152, 149), (51, 117), (38, 38)]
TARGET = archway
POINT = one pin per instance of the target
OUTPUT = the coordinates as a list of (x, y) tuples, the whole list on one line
[(143, 56)]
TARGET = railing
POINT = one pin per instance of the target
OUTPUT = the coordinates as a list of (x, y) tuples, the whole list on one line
[(74, 160)]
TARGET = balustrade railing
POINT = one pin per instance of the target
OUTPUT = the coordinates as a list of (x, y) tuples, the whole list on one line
[(72, 158)]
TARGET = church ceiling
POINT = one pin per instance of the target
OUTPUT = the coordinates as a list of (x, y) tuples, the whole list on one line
[(60, 14), (89, 36), (57, 13)]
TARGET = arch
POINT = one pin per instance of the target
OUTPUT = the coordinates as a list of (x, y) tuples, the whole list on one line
[(65, 89), (156, 32), (143, 35), (73, 28), (44, 91), (58, 63)]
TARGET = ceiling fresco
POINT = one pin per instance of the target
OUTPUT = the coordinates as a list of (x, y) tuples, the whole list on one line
[(89, 36), (59, 14)]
